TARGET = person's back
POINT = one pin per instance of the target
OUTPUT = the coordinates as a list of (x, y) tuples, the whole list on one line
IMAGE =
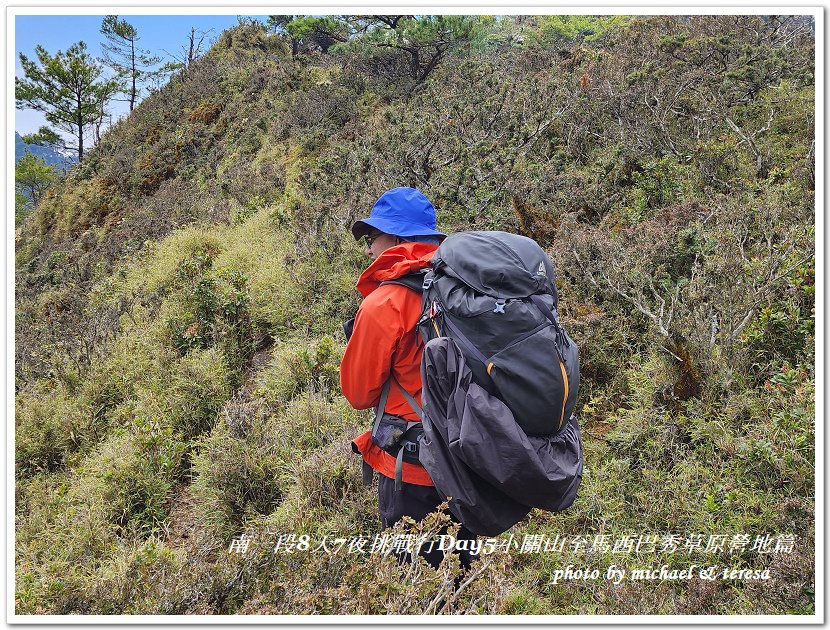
[(385, 349), (385, 344)]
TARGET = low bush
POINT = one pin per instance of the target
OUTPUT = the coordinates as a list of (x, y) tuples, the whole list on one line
[(254, 459), (237, 469), (299, 366), (196, 391), (49, 428), (133, 475)]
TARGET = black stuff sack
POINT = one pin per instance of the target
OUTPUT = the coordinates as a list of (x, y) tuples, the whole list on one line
[(477, 454)]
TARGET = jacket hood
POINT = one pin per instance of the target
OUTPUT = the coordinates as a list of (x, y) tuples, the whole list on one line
[(395, 262)]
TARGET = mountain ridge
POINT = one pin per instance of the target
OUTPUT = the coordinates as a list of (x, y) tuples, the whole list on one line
[(50, 156)]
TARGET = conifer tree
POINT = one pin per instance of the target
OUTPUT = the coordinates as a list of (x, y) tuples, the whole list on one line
[(425, 39), (307, 32), (67, 87), (121, 52)]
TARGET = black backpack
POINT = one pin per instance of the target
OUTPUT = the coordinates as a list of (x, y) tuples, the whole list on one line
[(500, 379), (494, 293)]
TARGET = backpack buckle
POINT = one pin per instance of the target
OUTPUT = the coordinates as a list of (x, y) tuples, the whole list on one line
[(427, 283), (499, 306)]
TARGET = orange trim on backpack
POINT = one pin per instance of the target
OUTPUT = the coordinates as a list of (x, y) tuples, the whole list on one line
[(565, 399)]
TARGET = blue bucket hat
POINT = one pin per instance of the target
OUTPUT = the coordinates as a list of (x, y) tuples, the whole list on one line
[(404, 212)]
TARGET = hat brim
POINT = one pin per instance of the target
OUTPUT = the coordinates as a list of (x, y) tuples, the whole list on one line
[(362, 227)]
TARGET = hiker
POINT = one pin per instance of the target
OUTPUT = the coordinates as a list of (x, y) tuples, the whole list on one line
[(383, 355)]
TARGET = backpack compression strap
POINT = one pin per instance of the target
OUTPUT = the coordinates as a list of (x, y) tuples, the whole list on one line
[(552, 316), (465, 341)]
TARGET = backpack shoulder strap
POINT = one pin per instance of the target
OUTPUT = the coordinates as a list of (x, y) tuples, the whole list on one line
[(414, 281), (384, 396), (410, 399)]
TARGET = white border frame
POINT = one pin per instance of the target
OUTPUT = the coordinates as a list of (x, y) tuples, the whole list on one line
[(458, 8)]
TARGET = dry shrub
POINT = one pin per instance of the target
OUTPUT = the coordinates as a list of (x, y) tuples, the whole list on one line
[(327, 490), (373, 583), (206, 112), (792, 584), (48, 429), (137, 580), (133, 475), (298, 366)]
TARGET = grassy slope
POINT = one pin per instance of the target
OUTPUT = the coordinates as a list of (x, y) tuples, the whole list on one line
[(179, 300)]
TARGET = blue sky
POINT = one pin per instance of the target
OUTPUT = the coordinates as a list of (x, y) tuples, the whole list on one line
[(57, 32)]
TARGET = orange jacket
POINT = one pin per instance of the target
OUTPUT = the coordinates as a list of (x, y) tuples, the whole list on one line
[(385, 339)]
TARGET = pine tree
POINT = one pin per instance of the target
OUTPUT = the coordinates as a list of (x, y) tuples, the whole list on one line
[(66, 87), (121, 52)]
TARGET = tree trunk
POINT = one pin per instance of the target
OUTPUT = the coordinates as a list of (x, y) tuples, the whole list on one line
[(190, 50), (415, 63), (132, 73), (80, 124)]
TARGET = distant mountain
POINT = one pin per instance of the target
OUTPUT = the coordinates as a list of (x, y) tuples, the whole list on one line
[(50, 155)]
